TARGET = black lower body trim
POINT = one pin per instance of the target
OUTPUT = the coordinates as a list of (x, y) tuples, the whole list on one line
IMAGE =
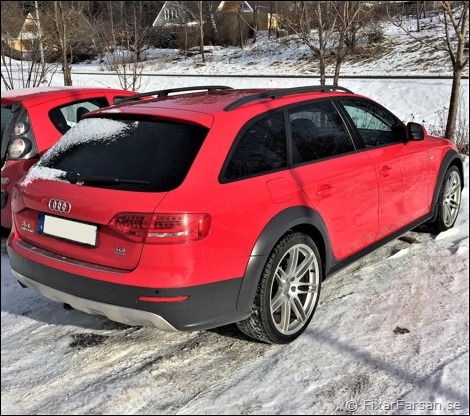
[(208, 306)]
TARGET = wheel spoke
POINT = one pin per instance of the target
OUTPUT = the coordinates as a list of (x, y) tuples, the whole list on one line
[(454, 188), (298, 309), (304, 266), (292, 262), (277, 300), (285, 315), (280, 276), (453, 204), (447, 214)]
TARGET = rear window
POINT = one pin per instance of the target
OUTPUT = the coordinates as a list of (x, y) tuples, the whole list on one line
[(131, 155), (6, 117)]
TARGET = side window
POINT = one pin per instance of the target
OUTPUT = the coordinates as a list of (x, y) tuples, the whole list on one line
[(318, 132), (262, 148), (70, 114), (376, 126)]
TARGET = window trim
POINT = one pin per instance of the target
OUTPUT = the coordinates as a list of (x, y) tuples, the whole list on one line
[(355, 130)]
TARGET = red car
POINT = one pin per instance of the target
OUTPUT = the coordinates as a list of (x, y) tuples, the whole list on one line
[(196, 210), (35, 118)]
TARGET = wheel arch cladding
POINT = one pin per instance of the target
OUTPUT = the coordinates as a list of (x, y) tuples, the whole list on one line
[(297, 218), (452, 158)]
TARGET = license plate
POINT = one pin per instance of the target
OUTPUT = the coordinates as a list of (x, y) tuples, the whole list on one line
[(78, 232)]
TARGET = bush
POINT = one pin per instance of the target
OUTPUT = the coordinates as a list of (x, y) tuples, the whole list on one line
[(374, 34), (461, 135)]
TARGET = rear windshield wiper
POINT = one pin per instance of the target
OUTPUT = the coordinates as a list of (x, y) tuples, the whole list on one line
[(81, 179)]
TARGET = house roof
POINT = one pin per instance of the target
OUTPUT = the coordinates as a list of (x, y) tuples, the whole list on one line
[(29, 30), (184, 12)]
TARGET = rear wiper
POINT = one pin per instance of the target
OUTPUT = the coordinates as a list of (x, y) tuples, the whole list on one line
[(81, 179)]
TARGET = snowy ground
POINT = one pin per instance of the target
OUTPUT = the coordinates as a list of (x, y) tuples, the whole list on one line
[(390, 335)]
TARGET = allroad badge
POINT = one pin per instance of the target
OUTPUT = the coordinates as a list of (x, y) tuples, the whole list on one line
[(59, 206)]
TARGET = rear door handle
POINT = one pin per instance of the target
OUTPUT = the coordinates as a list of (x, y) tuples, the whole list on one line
[(385, 171)]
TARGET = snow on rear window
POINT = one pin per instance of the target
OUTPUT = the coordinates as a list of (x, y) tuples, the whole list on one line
[(41, 172), (86, 131)]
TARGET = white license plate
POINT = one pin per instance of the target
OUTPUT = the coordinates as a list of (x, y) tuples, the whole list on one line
[(76, 231)]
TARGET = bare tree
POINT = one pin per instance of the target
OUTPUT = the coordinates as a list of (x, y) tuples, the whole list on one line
[(348, 15), (456, 24), (125, 36), (62, 28), (255, 20), (314, 24), (201, 30), (455, 20), (24, 63), (69, 32), (240, 25)]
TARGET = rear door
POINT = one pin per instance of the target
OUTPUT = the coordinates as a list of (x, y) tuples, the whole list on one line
[(340, 183)]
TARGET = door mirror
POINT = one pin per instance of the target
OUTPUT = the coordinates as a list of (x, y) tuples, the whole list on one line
[(415, 131)]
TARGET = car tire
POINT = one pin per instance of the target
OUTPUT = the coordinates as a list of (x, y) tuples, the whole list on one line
[(448, 202), (288, 291)]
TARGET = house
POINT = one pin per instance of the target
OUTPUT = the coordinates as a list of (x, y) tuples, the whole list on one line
[(178, 14), (26, 41)]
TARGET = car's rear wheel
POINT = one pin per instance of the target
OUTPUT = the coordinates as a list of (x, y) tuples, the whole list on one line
[(448, 203), (288, 291)]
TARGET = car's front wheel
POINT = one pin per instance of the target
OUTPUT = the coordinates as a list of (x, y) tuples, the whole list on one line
[(448, 203), (288, 291)]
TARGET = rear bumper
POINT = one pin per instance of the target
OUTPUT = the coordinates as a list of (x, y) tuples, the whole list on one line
[(208, 306)]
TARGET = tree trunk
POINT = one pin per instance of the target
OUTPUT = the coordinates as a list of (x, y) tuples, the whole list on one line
[(339, 57), (201, 32), (240, 28), (454, 104), (61, 28)]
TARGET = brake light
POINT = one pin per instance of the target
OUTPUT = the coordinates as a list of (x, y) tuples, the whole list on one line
[(162, 228), (19, 148), (21, 128)]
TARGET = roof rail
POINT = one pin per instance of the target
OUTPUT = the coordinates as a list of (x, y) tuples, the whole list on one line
[(165, 93), (282, 93)]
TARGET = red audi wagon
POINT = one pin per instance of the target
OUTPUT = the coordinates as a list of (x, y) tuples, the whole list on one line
[(35, 118), (204, 206)]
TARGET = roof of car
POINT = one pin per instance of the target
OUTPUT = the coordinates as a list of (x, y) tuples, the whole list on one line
[(213, 101), (42, 94)]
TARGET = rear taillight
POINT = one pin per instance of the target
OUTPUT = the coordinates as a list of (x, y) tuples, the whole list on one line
[(19, 148), (162, 228)]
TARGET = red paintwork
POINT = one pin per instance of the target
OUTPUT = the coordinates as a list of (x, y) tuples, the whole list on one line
[(359, 201)]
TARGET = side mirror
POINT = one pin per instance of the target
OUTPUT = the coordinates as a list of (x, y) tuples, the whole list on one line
[(415, 131)]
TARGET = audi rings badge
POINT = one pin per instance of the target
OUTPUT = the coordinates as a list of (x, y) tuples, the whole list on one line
[(59, 206)]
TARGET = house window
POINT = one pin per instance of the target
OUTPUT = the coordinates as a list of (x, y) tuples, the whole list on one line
[(171, 14)]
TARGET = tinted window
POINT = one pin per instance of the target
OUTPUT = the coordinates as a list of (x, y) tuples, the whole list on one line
[(68, 115), (318, 132), (262, 148), (156, 152), (6, 118), (375, 125)]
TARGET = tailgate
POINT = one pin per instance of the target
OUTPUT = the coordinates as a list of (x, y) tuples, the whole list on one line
[(73, 221)]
